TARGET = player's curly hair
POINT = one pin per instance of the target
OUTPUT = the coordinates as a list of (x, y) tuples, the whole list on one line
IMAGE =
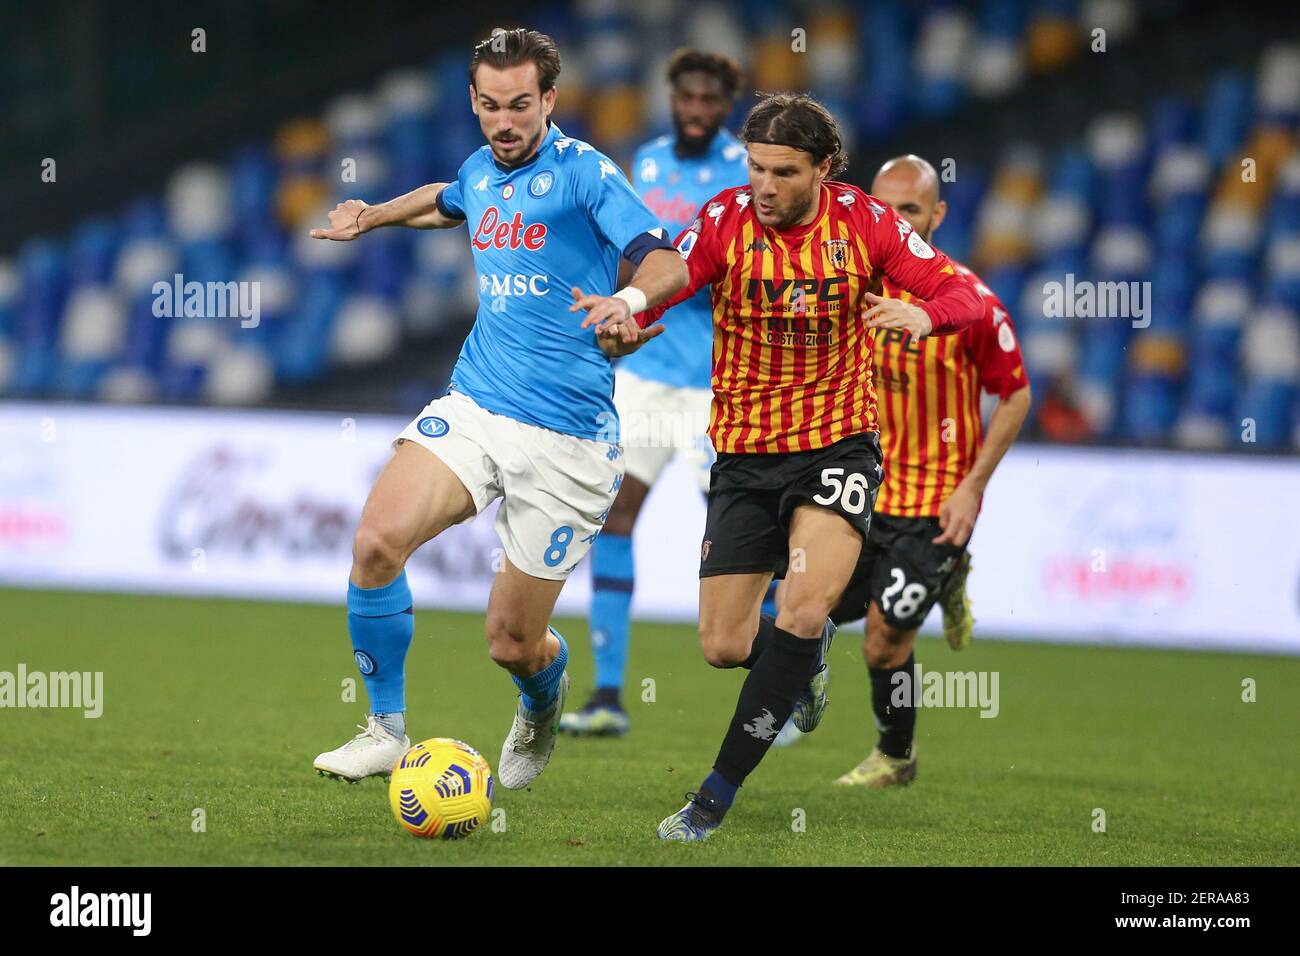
[(800, 122), (507, 48), (727, 70)]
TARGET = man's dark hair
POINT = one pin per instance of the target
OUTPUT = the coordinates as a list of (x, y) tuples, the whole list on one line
[(507, 48), (798, 121), (717, 65)]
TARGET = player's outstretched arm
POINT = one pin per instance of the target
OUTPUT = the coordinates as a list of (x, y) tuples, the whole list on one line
[(417, 209), (949, 300)]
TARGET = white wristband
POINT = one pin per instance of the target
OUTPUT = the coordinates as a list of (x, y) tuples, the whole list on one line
[(634, 297)]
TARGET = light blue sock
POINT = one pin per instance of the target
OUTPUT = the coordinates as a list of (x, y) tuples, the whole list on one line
[(769, 600), (540, 690), (611, 605), (382, 623)]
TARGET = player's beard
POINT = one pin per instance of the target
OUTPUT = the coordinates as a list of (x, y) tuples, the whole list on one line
[(529, 148), (694, 145), (797, 212)]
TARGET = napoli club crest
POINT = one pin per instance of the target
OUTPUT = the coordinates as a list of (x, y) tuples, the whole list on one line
[(433, 427), (837, 253), (541, 184)]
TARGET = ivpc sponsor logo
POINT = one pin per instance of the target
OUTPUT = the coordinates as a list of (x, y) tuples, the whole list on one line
[(75, 909), (778, 292)]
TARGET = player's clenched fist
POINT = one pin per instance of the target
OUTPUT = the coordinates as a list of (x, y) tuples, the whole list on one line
[(345, 221), (896, 314)]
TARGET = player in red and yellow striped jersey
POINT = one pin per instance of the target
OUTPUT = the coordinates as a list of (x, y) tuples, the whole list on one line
[(938, 461), (788, 346), (790, 260)]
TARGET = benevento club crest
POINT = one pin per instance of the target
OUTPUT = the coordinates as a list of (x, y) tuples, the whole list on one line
[(837, 253)]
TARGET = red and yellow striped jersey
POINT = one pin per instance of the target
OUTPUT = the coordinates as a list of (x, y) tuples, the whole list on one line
[(791, 354), (928, 394)]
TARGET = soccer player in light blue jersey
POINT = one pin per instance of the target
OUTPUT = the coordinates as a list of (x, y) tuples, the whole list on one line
[(663, 393), (529, 416)]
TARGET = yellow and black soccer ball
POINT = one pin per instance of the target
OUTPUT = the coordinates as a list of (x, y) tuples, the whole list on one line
[(441, 788)]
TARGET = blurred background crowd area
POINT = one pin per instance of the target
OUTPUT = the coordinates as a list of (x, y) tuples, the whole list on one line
[(1169, 157)]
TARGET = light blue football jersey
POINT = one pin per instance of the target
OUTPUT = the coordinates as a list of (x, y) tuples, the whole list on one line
[(674, 189), (562, 219)]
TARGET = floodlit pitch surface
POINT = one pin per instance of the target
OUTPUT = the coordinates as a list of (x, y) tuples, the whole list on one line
[(213, 711)]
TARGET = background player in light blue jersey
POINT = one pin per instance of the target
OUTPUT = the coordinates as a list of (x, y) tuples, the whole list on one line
[(529, 416), (664, 392)]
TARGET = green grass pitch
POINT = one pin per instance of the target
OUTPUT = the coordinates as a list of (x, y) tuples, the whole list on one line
[(221, 706)]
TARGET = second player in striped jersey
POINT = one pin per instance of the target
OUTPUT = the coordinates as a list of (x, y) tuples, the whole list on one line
[(790, 260), (662, 393), (938, 461)]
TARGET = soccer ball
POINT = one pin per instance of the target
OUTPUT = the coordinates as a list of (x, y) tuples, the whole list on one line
[(441, 788)]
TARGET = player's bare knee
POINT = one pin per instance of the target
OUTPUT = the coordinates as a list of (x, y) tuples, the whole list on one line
[(377, 555), (876, 651), (627, 505), (723, 647), (514, 639), (508, 653), (620, 521), (886, 646), (804, 614), (507, 647)]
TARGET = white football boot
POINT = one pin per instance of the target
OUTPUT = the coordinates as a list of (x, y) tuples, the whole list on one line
[(528, 748), (373, 752)]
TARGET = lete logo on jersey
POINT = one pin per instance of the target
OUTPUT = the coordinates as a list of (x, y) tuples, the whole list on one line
[(492, 232)]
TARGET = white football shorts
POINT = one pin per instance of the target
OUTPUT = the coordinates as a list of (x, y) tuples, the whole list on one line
[(658, 421), (555, 489)]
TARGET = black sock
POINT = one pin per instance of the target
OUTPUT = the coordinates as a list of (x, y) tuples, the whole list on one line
[(766, 625), (766, 701), (606, 697), (897, 724)]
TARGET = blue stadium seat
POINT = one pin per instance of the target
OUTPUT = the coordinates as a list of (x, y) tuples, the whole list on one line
[(93, 252), (1227, 114), (1149, 408)]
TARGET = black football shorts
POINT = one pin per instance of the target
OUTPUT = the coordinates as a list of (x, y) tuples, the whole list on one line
[(901, 569), (751, 498)]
